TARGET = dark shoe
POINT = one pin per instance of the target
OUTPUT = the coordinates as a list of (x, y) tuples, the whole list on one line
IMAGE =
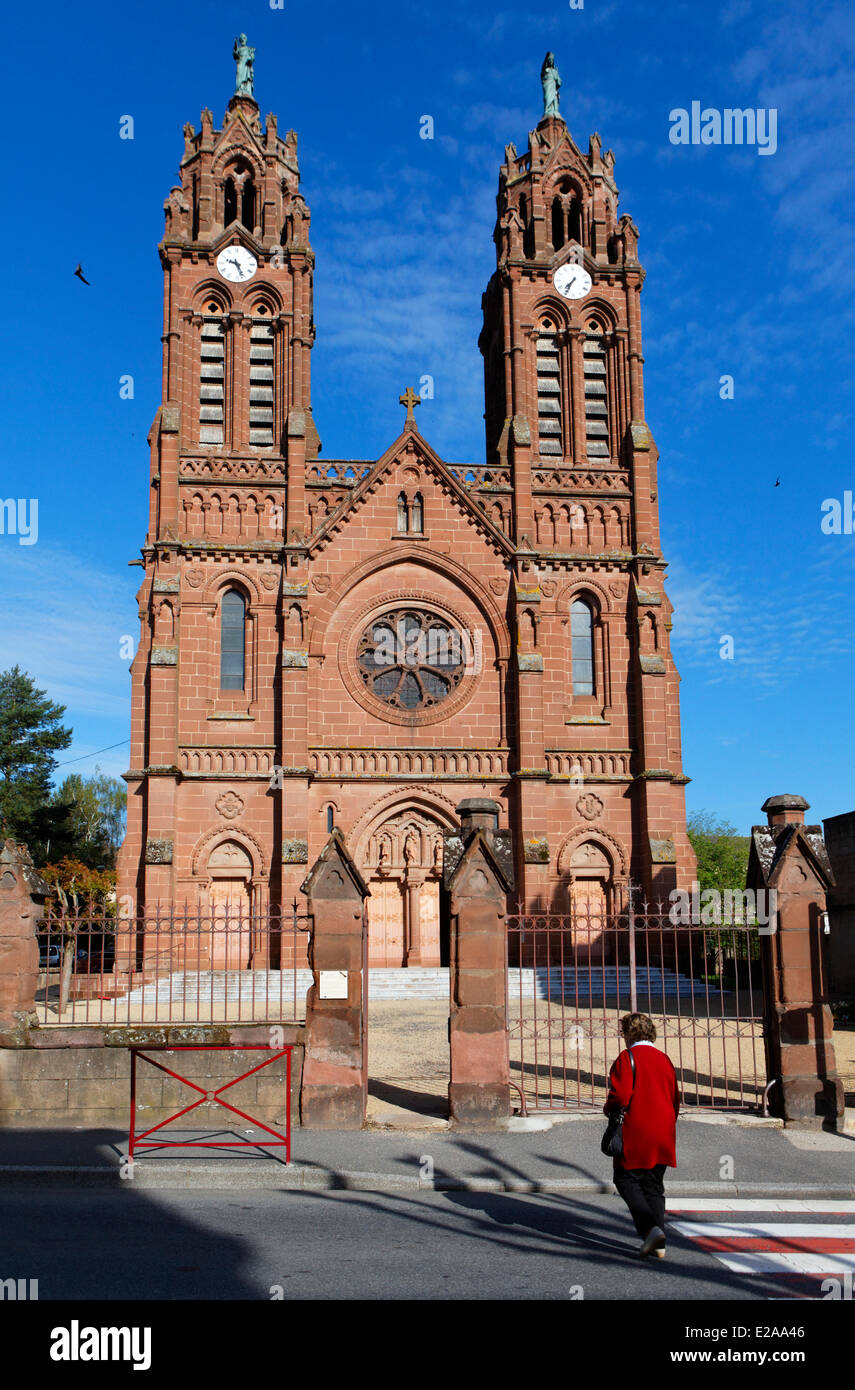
[(654, 1242)]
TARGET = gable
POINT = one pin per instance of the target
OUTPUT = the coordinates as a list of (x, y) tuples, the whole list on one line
[(411, 467)]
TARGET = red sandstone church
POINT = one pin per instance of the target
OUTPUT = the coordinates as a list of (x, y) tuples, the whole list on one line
[(334, 642)]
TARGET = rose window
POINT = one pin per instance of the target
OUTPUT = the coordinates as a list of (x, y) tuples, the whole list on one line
[(411, 659)]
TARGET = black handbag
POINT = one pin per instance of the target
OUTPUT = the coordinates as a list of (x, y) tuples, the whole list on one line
[(611, 1143)]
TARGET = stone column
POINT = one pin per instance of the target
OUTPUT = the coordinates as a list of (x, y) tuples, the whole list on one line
[(22, 896), (479, 875), (414, 940), (789, 857), (335, 1075)]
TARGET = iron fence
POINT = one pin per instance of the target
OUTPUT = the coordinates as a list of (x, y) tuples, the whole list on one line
[(572, 977), (173, 966)]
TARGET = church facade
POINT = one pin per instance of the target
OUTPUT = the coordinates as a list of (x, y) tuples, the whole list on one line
[(365, 643)]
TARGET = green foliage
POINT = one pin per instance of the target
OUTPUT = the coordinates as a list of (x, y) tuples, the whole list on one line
[(722, 854), (31, 732), (95, 816)]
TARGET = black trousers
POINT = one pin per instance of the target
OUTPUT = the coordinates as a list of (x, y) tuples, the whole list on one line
[(643, 1190)]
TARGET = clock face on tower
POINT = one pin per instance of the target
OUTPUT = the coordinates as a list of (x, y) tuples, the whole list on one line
[(572, 281), (235, 263)]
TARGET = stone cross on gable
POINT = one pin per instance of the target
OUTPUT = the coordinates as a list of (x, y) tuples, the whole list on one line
[(409, 399)]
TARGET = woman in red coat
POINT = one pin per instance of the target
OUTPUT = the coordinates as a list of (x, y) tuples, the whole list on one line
[(649, 1129)]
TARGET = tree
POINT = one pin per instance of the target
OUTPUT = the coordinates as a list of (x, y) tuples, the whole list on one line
[(722, 853), (31, 732), (95, 808)]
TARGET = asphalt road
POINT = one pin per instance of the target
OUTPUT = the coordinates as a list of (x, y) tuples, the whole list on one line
[(257, 1245)]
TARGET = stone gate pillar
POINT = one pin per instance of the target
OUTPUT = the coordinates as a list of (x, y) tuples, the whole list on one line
[(22, 897), (478, 874), (335, 1077), (790, 857)]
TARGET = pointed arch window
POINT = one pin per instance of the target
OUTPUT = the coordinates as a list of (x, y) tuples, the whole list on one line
[(411, 515), (549, 395), (582, 647), (557, 223), (232, 640), (230, 202)]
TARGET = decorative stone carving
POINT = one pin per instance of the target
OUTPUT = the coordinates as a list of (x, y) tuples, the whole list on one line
[(498, 587), (229, 805), (269, 579), (321, 582), (158, 851), (295, 851), (589, 806), (195, 578)]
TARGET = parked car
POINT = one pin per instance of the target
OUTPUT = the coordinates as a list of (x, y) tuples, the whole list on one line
[(49, 955), (95, 954)]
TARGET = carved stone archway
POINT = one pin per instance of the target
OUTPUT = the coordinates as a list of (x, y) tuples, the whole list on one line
[(402, 863)]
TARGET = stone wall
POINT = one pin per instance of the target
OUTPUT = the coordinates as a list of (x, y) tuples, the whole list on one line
[(81, 1076)]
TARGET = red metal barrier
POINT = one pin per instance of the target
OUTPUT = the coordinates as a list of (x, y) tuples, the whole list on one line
[(143, 1140)]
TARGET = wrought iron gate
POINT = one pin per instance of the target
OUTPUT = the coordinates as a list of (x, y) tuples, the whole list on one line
[(571, 978)]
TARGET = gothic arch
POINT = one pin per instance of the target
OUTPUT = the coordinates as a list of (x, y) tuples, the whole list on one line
[(266, 294), (446, 566), (208, 290), (576, 588), (609, 844), (599, 308), (232, 578), (208, 842), (433, 803), (553, 306)]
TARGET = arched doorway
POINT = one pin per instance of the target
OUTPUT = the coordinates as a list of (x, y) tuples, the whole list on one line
[(403, 866), (230, 871), (590, 894)]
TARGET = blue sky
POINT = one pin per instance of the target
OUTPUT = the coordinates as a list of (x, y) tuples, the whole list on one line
[(751, 273)]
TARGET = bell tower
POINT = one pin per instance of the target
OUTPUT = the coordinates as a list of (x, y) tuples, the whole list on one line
[(566, 430), (226, 536)]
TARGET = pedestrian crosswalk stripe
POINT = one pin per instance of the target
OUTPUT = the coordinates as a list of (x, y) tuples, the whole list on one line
[(748, 1263), (818, 1207), (767, 1230), (774, 1247)]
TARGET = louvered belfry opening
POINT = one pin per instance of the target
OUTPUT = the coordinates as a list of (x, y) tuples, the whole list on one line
[(261, 365), (212, 381), (548, 392), (596, 397)]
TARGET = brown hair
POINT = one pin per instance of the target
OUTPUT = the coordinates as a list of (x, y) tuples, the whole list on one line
[(638, 1028)]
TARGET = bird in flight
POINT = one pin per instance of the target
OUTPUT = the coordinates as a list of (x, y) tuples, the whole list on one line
[(79, 273), (777, 482)]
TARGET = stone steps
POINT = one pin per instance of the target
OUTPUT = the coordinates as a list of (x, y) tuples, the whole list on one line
[(417, 982)]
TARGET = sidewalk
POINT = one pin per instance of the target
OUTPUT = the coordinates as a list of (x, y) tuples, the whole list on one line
[(564, 1157)]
